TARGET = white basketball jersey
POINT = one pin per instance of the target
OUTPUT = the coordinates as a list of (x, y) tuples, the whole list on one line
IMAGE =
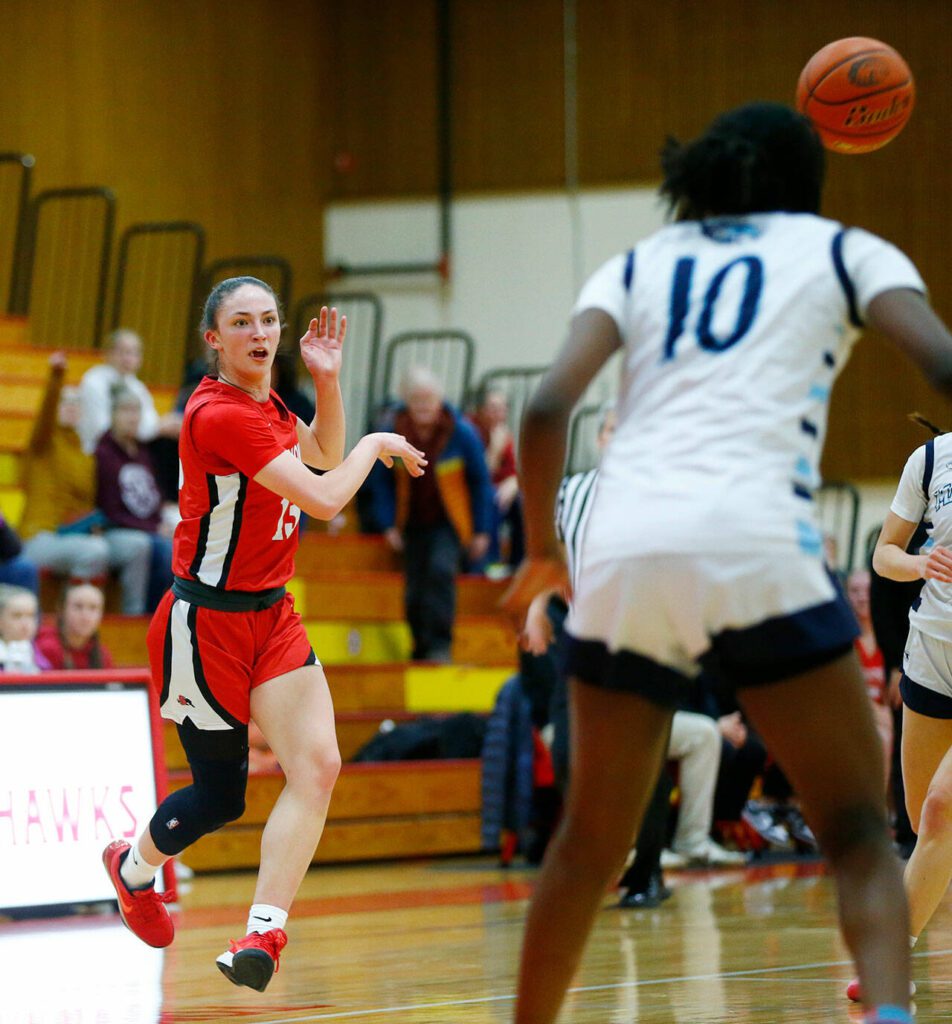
[(734, 331), (925, 493)]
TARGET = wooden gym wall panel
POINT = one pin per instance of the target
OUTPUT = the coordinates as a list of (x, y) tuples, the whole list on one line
[(507, 96), (206, 111)]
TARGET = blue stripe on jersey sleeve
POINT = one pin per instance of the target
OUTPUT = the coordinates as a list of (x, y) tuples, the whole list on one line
[(629, 273), (927, 468), (840, 267)]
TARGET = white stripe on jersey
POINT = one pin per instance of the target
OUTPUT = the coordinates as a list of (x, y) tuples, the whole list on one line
[(182, 681), (572, 508), (221, 524)]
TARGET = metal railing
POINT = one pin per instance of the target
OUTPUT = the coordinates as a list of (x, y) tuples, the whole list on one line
[(16, 170), (582, 453), (837, 504), (364, 312), (446, 354), (62, 282), (158, 279), (517, 383), (273, 270)]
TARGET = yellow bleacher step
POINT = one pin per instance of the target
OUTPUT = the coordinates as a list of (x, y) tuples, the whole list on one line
[(12, 500), (477, 640), (378, 596), (15, 431)]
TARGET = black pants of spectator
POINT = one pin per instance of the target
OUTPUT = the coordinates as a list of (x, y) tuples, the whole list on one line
[(739, 767), (431, 558), (652, 837)]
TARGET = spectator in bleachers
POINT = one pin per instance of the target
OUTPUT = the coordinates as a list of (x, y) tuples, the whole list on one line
[(62, 531), (491, 420), (100, 383), (128, 495), (72, 641), (443, 516), (19, 618), (16, 569)]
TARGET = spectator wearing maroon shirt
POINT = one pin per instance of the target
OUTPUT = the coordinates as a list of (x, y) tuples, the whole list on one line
[(128, 495), (72, 641), (491, 420)]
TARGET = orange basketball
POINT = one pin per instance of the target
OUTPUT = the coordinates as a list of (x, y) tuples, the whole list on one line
[(858, 93)]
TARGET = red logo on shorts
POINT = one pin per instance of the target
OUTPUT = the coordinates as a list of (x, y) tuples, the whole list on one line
[(184, 700)]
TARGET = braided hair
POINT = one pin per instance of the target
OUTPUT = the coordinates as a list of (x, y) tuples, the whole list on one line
[(758, 158)]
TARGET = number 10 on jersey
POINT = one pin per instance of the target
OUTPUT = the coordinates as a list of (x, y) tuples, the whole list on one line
[(681, 285)]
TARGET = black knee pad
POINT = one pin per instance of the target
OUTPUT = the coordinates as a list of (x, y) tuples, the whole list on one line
[(219, 763), (216, 796)]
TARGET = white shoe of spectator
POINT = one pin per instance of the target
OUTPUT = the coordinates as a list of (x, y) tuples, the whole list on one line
[(671, 861), (711, 855)]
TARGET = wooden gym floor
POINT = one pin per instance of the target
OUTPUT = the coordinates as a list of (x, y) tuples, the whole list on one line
[(437, 941)]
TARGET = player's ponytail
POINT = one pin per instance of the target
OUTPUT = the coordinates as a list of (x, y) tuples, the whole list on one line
[(917, 417)]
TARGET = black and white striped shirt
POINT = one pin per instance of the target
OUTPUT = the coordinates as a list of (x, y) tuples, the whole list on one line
[(572, 508)]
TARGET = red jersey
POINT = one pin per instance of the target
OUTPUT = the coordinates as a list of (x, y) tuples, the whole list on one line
[(874, 670), (234, 534)]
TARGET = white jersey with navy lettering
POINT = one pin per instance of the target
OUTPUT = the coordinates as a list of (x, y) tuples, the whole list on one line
[(925, 494), (734, 331)]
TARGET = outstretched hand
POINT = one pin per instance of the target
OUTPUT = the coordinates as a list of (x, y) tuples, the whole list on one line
[(396, 446), (535, 576), (321, 345)]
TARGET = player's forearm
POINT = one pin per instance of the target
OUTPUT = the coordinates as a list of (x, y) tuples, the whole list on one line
[(332, 491), (542, 457), (329, 424), (890, 561)]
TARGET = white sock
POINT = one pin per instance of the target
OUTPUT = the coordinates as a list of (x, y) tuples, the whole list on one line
[(262, 918), (913, 939), (136, 871)]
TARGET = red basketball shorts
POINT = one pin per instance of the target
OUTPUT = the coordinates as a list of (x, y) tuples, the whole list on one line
[(206, 662)]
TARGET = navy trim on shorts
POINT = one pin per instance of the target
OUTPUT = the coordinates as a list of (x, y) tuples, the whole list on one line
[(924, 701), (590, 661), (311, 659), (783, 646)]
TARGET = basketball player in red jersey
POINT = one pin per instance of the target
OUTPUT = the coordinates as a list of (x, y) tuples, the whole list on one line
[(225, 643)]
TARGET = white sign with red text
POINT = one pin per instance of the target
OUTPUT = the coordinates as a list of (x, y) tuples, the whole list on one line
[(76, 771)]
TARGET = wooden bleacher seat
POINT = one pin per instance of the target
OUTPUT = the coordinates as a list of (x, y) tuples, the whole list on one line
[(378, 811)]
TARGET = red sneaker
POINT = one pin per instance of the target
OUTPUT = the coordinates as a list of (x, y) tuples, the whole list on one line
[(142, 910), (855, 996), (252, 960)]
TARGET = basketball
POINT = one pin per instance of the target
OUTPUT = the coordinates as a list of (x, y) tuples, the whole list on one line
[(858, 93)]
